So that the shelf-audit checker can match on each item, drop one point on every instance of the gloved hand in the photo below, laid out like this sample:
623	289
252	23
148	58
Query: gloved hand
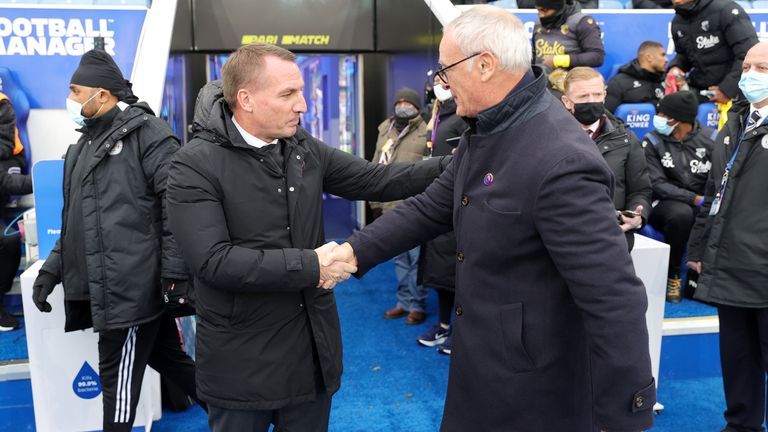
42	288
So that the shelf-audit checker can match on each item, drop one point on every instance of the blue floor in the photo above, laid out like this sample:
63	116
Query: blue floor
391	383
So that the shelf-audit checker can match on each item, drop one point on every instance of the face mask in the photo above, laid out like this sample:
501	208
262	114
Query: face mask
588	112
686	9
405	111
550	21
75	109
442	94
754	85
661	125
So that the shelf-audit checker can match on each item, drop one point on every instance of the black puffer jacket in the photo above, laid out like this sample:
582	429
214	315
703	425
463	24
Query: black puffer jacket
437	262
711	42
732	245
679	170
125	236
634	84
248	228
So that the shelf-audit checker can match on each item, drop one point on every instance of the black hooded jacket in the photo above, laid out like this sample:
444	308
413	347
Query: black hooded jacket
711	41
122	236
634	84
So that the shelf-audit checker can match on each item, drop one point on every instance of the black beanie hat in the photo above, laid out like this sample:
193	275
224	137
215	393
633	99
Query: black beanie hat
408	95
550	4
682	105
98	69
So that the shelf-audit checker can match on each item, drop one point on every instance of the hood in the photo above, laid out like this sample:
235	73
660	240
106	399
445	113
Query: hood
206	98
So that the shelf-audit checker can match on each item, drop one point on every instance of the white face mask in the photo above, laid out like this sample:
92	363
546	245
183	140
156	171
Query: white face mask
441	93
75	109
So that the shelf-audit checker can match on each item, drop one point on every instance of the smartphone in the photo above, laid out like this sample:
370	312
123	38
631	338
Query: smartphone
629	213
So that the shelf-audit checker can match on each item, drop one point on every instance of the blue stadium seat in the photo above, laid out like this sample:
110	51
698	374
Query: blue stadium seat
708	115
66	2
505	4
649	232
638	117
614	71
610	4
9	85
746	4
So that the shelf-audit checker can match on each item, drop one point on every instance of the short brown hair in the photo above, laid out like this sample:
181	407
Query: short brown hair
647	46
580	73
244	66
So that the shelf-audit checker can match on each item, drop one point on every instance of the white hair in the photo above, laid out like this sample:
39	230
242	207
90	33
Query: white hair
490	28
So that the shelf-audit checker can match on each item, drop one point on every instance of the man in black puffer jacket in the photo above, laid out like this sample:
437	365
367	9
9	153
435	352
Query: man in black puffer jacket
584	97
711	39
115	249
245	201
639	81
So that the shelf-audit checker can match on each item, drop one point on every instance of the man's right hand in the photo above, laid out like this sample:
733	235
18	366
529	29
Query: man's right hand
694	265
332	270
42	288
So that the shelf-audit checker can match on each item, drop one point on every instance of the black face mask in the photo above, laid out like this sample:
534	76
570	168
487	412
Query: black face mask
588	112
686	9
551	21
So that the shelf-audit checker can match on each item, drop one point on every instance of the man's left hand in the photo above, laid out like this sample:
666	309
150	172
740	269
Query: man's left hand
719	96
633	223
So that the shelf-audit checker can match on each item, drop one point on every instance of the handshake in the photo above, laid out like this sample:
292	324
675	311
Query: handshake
337	263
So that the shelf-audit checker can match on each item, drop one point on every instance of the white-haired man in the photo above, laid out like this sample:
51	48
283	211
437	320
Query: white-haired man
550	330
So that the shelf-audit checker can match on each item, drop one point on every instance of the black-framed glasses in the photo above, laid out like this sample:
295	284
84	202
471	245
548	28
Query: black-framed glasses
441	72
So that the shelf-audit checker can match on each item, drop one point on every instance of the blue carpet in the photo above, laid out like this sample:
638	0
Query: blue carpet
688	308
13	344
391	383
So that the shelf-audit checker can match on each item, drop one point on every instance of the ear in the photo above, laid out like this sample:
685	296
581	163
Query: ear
488	65
244	100
566	102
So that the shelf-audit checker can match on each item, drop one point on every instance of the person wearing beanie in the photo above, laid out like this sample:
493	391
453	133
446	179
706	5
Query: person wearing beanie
566	38
403	138
678	153
116	255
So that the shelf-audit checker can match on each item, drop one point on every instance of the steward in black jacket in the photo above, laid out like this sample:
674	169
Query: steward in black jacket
633	84
711	39
732	244
267	336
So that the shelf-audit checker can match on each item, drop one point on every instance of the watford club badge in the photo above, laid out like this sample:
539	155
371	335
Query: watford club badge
564	29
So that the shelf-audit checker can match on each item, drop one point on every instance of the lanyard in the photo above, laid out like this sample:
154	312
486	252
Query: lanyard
389	147
721	191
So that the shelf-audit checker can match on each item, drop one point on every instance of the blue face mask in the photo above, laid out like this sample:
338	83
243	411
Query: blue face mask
754	85
75	109
661	126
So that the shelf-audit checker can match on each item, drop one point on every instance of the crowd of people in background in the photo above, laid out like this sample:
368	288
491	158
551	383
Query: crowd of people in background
699	187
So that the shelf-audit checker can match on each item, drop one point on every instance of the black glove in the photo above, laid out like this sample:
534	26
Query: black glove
42	288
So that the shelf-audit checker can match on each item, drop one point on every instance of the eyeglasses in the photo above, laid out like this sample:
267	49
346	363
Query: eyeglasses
441	72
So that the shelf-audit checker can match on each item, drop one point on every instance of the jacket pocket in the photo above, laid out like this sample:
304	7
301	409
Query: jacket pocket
495	210
512	331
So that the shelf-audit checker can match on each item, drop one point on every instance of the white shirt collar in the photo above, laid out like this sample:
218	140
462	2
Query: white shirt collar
593	127
250	139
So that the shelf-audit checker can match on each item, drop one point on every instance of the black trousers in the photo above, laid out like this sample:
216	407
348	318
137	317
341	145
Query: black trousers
744	360
306	417
675	219
123	356
10	257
